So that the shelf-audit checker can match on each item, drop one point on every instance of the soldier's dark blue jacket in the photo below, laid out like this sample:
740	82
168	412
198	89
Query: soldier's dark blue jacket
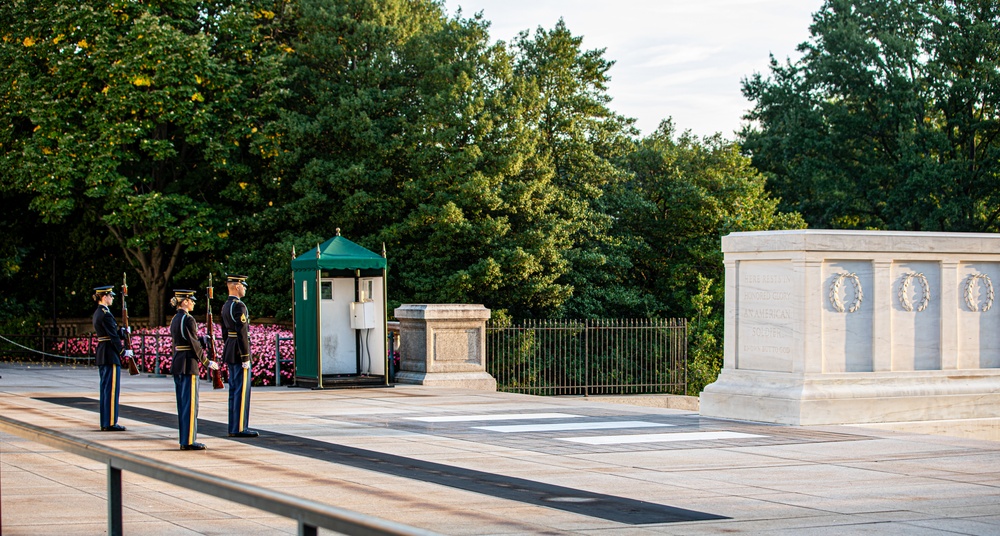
188	351
109	340
235	320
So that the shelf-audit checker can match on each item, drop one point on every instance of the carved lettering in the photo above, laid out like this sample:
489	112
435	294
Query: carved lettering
766	279
766	332
767	314
765	349
765	295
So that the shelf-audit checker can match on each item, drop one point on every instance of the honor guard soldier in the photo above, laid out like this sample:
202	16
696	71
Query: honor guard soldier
236	354
188	352
108	357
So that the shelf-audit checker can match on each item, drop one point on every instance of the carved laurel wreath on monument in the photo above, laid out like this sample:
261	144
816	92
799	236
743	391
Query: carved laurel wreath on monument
970	284
835	292
904	292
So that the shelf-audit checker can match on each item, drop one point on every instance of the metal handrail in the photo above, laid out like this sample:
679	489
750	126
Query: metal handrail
309	514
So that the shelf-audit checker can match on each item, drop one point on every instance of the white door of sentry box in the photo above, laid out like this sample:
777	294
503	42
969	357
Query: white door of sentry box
339	344
372	341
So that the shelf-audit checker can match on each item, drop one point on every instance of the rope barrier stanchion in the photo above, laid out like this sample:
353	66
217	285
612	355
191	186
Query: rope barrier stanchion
45	353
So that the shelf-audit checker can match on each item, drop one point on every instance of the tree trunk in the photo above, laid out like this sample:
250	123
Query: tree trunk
155	291
155	269
155	276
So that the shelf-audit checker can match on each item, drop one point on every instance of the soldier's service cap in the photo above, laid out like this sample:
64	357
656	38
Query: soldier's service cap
185	294
106	289
241	279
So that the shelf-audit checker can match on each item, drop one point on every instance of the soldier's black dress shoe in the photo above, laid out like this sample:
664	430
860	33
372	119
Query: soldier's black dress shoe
113	428
246	433
194	446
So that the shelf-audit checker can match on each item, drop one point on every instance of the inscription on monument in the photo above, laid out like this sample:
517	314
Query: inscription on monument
766	315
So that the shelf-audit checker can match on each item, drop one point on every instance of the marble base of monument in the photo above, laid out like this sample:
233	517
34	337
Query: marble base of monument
853	398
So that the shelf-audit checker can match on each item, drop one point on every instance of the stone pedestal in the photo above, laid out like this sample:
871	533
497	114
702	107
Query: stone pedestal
444	345
847	327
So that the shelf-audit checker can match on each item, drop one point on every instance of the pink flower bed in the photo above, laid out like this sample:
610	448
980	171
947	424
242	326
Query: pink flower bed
153	345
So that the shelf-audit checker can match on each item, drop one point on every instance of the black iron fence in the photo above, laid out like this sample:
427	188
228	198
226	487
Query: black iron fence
543	357
589	357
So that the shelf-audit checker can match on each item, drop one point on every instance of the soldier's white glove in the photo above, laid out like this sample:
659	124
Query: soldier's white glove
128	329
213	365
128	353
246	364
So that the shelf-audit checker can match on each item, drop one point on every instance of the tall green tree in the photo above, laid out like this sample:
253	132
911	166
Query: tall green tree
890	120
407	127
481	222
684	195
138	118
353	73
580	138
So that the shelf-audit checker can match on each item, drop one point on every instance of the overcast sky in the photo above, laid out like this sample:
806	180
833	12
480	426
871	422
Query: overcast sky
673	58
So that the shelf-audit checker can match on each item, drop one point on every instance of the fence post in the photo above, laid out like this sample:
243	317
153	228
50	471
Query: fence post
115	527
391	372
586	357
277	359
156	356
684	347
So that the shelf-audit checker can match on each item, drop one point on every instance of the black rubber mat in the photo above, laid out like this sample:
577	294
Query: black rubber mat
581	502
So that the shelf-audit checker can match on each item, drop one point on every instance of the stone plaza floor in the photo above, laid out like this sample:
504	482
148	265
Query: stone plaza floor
468	462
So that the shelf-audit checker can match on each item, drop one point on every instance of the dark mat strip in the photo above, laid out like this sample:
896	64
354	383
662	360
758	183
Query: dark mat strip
609	507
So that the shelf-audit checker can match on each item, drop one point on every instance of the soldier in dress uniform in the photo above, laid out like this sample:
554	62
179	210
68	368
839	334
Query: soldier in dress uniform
188	352
108	357
236	353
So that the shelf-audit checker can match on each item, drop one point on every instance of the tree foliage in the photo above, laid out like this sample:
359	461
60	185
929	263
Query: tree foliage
579	140
684	195
408	128
134	117
209	135
890	120
476	206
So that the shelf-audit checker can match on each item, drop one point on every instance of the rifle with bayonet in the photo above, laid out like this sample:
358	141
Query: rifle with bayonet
210	347
128	360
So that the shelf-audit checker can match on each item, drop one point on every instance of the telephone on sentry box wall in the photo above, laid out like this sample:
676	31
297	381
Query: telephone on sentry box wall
363	313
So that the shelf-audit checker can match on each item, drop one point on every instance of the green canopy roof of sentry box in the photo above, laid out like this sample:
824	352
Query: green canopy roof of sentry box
338	253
